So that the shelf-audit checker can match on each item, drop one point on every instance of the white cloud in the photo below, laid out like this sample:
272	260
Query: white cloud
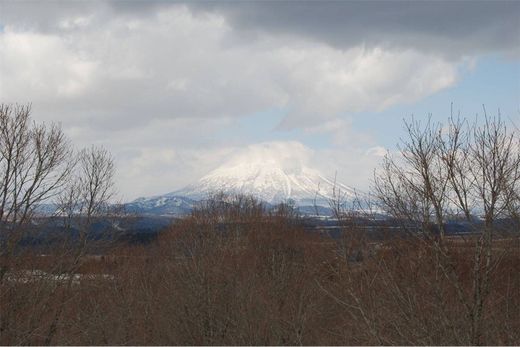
326	82
292	156
152	171
37	67
377	151
176	65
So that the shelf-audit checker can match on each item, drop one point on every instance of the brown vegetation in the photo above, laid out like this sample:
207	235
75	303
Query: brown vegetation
233	274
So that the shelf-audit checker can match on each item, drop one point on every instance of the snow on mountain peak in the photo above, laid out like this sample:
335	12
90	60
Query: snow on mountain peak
270	173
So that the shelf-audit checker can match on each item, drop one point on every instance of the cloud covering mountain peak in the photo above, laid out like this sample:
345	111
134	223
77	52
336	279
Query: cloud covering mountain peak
273	172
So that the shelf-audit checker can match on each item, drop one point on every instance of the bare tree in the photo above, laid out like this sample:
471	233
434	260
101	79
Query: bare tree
468	171
39	167
86	198
90	189
34	166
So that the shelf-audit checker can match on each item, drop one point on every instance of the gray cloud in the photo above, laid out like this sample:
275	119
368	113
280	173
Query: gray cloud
450	28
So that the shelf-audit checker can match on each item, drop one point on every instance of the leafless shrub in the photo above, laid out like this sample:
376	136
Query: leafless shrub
38	166
34	166
465	172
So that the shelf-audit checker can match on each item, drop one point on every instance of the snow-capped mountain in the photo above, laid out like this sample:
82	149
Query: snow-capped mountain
269	178
271	181
161	205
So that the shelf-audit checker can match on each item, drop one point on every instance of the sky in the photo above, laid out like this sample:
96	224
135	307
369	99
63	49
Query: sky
174	89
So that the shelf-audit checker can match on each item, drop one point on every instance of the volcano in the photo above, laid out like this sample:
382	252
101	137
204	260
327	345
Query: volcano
270	177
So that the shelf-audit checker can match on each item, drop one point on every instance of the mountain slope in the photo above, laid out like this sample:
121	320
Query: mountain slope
161	205
269	181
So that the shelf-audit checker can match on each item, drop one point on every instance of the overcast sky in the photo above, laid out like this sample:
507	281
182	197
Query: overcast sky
174	89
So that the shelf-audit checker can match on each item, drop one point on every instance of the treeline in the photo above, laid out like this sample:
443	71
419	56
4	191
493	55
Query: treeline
234	274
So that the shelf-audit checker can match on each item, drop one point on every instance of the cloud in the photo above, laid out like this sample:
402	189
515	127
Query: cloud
377	151
341	133
126	71
292	156
325	82
448	28
43	66
149	171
